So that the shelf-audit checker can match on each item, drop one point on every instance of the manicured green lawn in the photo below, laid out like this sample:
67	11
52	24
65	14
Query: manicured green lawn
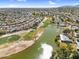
9	39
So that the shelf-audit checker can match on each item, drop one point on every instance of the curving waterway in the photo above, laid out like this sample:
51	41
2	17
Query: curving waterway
43	47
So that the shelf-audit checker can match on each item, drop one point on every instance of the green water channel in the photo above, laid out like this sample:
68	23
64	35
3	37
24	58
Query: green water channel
34	51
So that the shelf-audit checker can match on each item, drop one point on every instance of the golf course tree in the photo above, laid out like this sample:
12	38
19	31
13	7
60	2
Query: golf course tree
68	20
77	21
29	36
38	14
53	19
65	51
33	13
57	40
2	32
49	21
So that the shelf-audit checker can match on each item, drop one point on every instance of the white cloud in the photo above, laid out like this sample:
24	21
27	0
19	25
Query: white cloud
52	3
25	6
76	4
13	6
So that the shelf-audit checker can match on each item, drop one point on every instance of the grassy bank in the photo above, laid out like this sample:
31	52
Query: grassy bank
9	39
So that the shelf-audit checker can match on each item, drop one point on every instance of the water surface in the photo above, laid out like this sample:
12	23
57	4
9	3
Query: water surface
40	47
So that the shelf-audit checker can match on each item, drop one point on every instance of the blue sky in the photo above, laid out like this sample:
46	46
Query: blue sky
36	3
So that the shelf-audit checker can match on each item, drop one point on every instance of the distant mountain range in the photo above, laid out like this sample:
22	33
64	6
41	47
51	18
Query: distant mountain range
69	6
